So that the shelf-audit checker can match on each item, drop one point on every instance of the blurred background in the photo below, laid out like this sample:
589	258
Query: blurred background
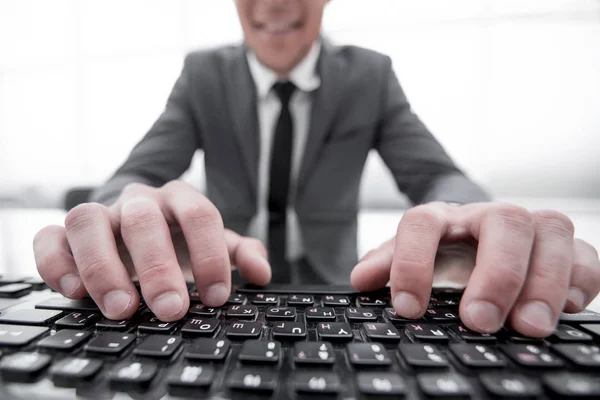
510	87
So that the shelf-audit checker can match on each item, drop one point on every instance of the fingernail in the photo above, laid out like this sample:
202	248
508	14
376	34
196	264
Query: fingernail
407	305
69	284
485	316
576	297
216	294
167	305
116	302
537	315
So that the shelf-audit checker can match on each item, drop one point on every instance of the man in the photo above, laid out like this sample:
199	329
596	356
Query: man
286	122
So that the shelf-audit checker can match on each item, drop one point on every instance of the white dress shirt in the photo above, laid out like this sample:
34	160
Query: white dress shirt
306	79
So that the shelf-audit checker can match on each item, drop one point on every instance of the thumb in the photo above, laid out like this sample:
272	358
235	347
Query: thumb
373	270
249	255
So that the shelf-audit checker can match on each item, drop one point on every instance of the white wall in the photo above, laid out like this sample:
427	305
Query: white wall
510	87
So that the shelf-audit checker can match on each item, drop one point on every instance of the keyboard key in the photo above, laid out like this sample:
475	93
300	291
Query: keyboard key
371	301
242	312
360	314
237	298
442	315
152	324
260	351
566	333
30	317
203	311
200	327
69	371
15	335
253	380
195	298
380	331
111	343
65	304
15	290
426	332
185	379
516	337
470	336
336	301
338	331
593	329
316	382
372	354
301	300
77	320
158	346
289	331
509	385
66	339
422	355
23	367
279	313
477	355
393	316
582	317
584	356
113	325
572	385
381	383
244	330
129	374
530	355
208	349
320	314
446	303
444	385
313	353
263	299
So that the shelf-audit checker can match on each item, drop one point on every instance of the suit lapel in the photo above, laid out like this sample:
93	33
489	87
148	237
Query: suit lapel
241	96
325	104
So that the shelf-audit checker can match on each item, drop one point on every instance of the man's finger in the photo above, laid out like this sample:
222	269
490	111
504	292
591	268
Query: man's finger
92	242
505	235
147	237
249	255
417	240
55	262
203	229
543	296
373	270
585	276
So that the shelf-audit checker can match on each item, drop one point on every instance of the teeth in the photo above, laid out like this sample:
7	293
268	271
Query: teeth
277	27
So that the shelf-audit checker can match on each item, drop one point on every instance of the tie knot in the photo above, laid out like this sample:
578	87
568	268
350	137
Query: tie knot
284	90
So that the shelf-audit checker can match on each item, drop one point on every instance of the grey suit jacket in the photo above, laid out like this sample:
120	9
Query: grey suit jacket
359	106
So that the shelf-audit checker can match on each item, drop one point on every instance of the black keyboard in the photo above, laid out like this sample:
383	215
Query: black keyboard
283	342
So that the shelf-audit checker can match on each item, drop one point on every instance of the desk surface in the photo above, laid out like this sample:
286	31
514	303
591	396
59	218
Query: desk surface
18	227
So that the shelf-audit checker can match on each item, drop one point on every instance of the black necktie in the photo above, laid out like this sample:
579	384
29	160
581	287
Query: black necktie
279	182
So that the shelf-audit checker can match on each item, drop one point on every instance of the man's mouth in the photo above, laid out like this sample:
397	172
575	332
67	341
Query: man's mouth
278	27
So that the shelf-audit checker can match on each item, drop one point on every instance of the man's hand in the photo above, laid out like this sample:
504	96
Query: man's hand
522	266
156	235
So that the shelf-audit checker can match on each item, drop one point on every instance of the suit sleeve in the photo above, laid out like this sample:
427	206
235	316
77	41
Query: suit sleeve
165	152
421	167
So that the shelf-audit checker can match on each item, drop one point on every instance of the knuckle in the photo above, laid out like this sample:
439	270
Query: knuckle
554	222
553	274
134	188
95	268
45	232
140	216
582	243
47	263
84	215
506	280
173	185
514	217
203	214
155	271
423	217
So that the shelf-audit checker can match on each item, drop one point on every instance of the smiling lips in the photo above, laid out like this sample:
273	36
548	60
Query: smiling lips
276	28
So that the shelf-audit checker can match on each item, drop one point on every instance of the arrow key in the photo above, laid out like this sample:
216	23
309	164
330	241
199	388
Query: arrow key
368	354
65	339
313	353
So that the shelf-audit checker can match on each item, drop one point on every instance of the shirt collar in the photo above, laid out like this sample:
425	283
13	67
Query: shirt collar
304	75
